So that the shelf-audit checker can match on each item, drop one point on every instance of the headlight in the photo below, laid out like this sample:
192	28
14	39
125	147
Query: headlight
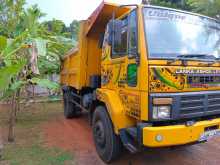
161	112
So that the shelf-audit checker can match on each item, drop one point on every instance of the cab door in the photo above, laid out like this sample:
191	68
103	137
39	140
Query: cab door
125	66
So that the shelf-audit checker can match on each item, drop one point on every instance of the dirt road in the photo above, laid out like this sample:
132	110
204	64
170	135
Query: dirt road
76	136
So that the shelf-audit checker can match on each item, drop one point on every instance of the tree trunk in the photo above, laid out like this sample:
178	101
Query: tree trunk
17	102
12	119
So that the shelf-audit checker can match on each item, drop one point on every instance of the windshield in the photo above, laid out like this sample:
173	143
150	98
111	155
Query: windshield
172	34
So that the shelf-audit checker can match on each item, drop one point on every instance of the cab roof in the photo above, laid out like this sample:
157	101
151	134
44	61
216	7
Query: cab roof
103	13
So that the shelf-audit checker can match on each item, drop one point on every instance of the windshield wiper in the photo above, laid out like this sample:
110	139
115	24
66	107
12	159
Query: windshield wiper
202	57
197	56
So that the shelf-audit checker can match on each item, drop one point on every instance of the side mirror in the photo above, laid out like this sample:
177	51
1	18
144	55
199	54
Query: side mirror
114	31
118	31
110	32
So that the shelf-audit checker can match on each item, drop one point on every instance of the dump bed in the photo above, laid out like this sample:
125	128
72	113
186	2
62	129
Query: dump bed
83	62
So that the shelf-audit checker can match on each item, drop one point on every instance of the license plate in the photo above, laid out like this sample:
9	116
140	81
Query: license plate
209	134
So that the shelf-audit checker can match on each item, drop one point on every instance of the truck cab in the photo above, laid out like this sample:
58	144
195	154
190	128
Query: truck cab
152	80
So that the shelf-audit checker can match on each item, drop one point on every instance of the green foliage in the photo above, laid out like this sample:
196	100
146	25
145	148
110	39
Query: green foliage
37	155
13	46
57	46
177	4
29	20
8	73
56	27
19	29
164	3
207	7
13	61
15	86
10	12
45	83
3	43
48	66
74	29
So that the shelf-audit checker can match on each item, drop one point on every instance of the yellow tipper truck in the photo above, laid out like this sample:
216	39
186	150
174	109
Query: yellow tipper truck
148	76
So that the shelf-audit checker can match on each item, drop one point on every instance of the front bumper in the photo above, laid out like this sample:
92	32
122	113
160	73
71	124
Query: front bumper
176	134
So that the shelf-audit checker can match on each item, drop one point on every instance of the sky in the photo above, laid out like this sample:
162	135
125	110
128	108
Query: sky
68	10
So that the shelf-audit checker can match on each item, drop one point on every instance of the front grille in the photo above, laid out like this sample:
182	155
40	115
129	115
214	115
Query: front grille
203	79
199	105
213	103
192	104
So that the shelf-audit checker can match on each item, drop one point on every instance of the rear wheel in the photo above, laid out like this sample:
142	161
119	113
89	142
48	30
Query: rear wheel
108	144
70	109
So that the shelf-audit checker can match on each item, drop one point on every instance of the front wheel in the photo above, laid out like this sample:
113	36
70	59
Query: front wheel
108	144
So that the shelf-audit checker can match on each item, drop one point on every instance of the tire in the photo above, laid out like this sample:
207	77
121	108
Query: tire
70	110
107	143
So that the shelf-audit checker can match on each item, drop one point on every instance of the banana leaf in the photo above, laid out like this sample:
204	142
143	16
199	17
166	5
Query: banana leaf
8	72
3	43
45	83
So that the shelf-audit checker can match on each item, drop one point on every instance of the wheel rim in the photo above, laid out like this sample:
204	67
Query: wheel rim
99	133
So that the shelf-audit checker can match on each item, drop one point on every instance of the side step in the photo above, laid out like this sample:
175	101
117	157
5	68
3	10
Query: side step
132	137
128	139
132	132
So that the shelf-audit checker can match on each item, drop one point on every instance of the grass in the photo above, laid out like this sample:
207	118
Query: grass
29	147
35	154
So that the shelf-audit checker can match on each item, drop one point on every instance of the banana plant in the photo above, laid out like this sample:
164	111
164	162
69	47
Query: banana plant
19	37
15	54
12	60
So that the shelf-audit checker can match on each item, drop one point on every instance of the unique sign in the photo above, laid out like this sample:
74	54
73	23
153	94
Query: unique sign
196	71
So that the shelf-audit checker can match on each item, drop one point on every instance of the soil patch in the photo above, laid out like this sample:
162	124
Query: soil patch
29	146
75	135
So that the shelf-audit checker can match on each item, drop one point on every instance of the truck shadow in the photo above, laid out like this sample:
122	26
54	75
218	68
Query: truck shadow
155	156
199	154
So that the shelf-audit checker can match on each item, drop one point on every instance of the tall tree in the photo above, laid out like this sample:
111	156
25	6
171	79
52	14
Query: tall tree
29	20
207	7
178	4
74	29
57	27
10	11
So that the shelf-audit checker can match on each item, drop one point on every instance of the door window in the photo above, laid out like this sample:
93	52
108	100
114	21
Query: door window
120	48
133	42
